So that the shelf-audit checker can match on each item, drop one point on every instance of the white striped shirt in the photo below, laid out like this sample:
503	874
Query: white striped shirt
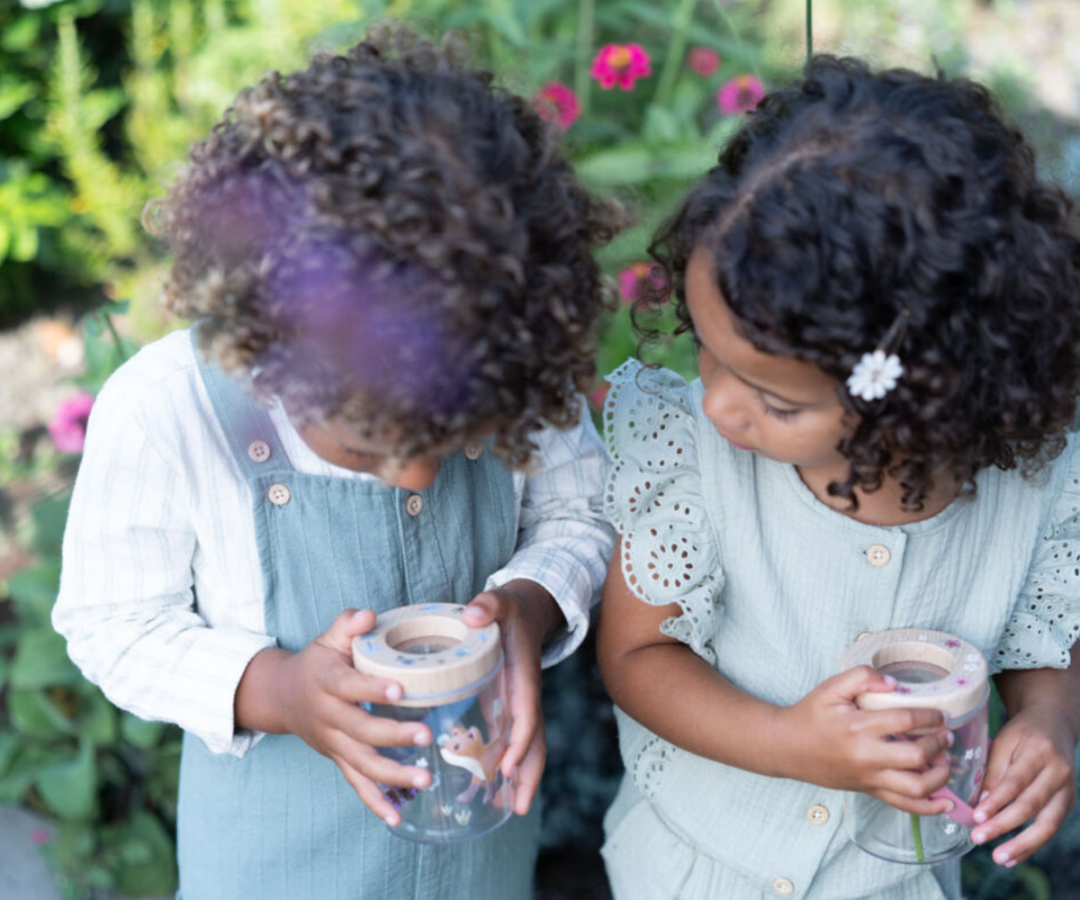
160	516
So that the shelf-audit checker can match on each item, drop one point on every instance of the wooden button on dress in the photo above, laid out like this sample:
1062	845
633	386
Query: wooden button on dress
783	886
414	504
279	494
878	555
474	451
259	451
817	814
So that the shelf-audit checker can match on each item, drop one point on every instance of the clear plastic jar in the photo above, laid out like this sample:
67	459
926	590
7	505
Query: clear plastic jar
934	670
453	681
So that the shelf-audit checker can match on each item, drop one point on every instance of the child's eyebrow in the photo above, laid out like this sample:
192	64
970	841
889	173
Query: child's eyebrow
757	387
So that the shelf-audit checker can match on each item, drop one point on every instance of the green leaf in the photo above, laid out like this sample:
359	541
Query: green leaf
49	518
33	591
35	716
9	744
70	788
627	165
97	718
152	873
29	760
20	34
13	95
661	125
1035	882
138	732
41	660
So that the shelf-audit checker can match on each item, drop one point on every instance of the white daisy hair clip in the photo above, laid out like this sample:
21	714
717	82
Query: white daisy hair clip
878	372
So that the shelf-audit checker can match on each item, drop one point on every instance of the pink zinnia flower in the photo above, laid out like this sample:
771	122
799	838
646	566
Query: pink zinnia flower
599	394
740	94
634	280
68	425
703	60
39	836
557	103
620	64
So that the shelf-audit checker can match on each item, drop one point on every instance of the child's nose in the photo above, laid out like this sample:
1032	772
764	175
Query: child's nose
725	404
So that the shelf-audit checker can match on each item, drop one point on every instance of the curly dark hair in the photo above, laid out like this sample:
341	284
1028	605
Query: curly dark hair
389	238
851	197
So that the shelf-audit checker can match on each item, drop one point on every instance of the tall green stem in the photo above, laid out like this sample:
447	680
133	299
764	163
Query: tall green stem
676	51
584	52
118	343
916	834
809	29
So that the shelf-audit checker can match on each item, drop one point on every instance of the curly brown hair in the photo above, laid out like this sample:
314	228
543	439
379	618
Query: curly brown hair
853	198
389	238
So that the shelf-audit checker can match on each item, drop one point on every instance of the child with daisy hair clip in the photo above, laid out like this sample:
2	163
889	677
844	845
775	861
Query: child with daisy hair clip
886	300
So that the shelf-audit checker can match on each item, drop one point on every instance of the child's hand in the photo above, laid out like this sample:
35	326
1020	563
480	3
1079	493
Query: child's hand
524	624
1031	774
833	743
320	690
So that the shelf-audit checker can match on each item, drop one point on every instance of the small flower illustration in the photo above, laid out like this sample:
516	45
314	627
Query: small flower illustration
903	690
703	60
446	809
952	643
620	64
740	94
962	682
68	425
874	375
462	816
556	102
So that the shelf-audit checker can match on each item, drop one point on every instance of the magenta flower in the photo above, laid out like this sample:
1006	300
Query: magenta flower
740	94
703	60
903	690
68	425
39	836
952	643
634	281
557	103
599	394
620	64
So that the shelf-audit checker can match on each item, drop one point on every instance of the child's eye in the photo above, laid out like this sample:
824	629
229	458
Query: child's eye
781	414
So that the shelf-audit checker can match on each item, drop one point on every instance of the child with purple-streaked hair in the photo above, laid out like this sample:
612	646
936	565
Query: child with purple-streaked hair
389	265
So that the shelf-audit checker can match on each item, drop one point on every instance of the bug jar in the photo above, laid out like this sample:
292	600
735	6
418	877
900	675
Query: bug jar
452	679
933	670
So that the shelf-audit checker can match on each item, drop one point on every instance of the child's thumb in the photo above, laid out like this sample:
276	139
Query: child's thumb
349	624
861	680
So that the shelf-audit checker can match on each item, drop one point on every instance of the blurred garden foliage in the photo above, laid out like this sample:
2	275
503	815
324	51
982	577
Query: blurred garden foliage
99	102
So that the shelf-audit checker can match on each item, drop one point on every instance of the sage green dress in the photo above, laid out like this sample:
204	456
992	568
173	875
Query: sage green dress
773	585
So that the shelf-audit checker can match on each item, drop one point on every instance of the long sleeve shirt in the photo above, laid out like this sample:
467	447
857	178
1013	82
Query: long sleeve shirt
161	593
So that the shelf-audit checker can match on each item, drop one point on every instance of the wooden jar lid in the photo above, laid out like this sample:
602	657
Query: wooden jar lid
963	685
430	652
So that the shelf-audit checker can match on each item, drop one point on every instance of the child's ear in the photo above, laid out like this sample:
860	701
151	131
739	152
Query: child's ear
474	733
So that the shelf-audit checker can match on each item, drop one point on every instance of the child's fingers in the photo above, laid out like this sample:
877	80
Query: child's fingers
347	684
379	732
995	794
1007	785
920	807
915	785
371	764
349	624
915	754
1030	800
904	721
848	685
370	794
529	773
1038	834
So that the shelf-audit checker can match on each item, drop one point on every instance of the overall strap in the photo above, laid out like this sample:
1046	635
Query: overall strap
248	429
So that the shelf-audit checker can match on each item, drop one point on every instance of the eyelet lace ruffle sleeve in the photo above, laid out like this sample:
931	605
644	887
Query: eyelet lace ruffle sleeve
1046	620
654	500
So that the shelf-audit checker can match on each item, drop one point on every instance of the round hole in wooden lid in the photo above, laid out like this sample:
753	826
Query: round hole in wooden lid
430	652
933	670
